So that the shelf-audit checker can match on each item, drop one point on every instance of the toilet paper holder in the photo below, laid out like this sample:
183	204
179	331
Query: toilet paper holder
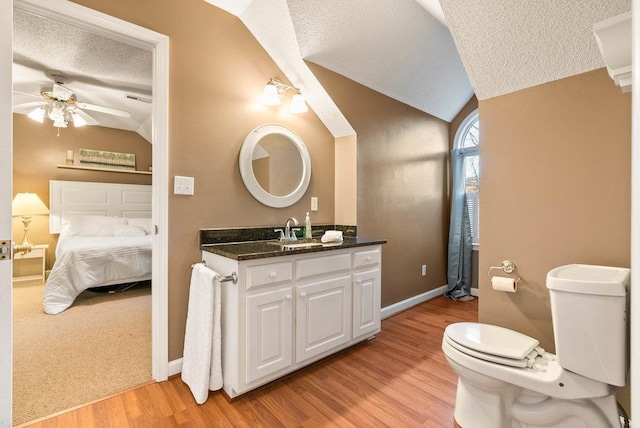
507	266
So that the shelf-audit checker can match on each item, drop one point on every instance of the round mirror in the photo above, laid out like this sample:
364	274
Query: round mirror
275	165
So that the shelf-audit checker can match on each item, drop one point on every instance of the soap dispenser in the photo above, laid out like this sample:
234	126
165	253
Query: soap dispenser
307	227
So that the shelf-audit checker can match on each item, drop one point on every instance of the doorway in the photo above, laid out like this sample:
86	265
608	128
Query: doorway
121	31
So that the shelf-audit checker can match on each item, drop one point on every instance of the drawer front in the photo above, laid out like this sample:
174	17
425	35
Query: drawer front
366	258
322	265
265	275
35	253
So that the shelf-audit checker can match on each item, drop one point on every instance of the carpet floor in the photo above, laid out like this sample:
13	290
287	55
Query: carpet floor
99	346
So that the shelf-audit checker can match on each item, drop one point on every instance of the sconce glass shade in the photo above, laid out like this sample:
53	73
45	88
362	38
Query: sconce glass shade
298	104
270	95
78	121
37	114
26	205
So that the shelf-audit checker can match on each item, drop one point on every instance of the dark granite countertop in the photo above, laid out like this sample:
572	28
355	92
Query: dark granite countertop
262	249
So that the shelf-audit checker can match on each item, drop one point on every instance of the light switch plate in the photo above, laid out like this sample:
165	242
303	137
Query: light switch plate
314	203
183	185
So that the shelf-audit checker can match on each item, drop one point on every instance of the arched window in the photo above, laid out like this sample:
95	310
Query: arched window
467	139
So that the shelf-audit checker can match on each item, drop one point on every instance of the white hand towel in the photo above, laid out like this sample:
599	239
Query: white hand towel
332	236
201	362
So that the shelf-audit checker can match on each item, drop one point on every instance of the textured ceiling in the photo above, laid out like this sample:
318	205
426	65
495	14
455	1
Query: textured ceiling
508	45
101	71
403	52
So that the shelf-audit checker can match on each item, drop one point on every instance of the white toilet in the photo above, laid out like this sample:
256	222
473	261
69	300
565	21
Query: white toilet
507	380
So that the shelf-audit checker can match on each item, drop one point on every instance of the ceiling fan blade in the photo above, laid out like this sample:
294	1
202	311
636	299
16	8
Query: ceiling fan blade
90	120
27	93
107	110
26	107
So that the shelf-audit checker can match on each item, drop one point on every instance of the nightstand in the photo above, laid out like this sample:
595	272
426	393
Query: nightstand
28	268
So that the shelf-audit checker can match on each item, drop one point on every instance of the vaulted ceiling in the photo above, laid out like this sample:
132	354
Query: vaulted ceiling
430	55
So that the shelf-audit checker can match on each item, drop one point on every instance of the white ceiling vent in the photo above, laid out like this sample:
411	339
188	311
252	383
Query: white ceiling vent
614	40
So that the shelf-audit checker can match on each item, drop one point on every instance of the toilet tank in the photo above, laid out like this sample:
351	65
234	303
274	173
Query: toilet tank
590	315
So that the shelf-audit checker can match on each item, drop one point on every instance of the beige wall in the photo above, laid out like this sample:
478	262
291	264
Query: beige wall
217	73
401	183
37	151
556	183
346	185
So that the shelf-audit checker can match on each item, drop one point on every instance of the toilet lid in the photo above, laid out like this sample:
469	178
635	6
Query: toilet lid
491	339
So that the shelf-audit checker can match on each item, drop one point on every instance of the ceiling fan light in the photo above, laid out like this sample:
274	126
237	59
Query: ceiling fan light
298	104
270	95
37	114
78	121
56	113
60	123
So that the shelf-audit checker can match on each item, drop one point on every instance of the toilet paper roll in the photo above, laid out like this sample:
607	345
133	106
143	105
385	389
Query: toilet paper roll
500	283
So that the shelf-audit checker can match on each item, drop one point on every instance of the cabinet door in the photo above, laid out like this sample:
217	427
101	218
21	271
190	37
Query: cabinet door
323	316
366	303
269	332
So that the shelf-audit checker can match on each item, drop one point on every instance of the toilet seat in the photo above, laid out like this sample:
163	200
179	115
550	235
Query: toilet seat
492	343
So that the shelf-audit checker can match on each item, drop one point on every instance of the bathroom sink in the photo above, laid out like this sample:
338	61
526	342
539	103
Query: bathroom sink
297	244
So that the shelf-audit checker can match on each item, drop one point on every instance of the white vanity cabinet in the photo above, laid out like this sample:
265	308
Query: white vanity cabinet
286	312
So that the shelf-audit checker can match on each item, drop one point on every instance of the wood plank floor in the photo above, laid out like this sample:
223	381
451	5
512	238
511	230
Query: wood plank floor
399	379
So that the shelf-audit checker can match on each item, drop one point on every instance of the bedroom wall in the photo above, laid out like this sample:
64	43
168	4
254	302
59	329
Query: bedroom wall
217	72
556	186
403	157
37	150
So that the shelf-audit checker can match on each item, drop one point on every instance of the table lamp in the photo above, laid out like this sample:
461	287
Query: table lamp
26	205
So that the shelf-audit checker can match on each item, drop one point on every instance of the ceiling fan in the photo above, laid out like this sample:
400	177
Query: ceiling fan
61	105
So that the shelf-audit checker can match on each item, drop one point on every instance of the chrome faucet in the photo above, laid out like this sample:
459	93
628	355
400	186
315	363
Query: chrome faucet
290	234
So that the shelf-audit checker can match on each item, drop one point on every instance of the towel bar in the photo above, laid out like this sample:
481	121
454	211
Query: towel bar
233	277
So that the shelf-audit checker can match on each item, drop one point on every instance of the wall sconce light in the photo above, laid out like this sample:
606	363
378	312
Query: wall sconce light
273	92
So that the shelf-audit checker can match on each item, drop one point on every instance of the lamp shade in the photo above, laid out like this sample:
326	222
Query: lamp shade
28	204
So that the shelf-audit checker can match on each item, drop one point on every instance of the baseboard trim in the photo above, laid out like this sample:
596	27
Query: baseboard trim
393	309
475	292
174	367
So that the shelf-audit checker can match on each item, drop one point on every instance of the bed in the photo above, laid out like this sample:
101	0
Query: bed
105	238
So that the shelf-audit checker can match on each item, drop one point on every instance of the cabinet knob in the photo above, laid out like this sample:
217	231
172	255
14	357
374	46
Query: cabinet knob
303	295
358	280
273	275
369	259
288	297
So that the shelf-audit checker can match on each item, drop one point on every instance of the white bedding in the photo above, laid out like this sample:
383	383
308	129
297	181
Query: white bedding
92	261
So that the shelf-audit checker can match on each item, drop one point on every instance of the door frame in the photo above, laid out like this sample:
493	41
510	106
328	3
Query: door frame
131	34
6	195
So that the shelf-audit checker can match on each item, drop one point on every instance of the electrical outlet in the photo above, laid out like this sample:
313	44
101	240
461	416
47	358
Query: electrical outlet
314	203
183	185
424	270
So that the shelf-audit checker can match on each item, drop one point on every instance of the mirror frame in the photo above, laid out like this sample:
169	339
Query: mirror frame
249	178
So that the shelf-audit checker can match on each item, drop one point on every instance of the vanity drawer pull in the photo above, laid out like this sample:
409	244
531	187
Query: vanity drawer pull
366	258
303	295
268	275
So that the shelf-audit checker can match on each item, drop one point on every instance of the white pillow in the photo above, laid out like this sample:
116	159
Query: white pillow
144	223
128	230
94	225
